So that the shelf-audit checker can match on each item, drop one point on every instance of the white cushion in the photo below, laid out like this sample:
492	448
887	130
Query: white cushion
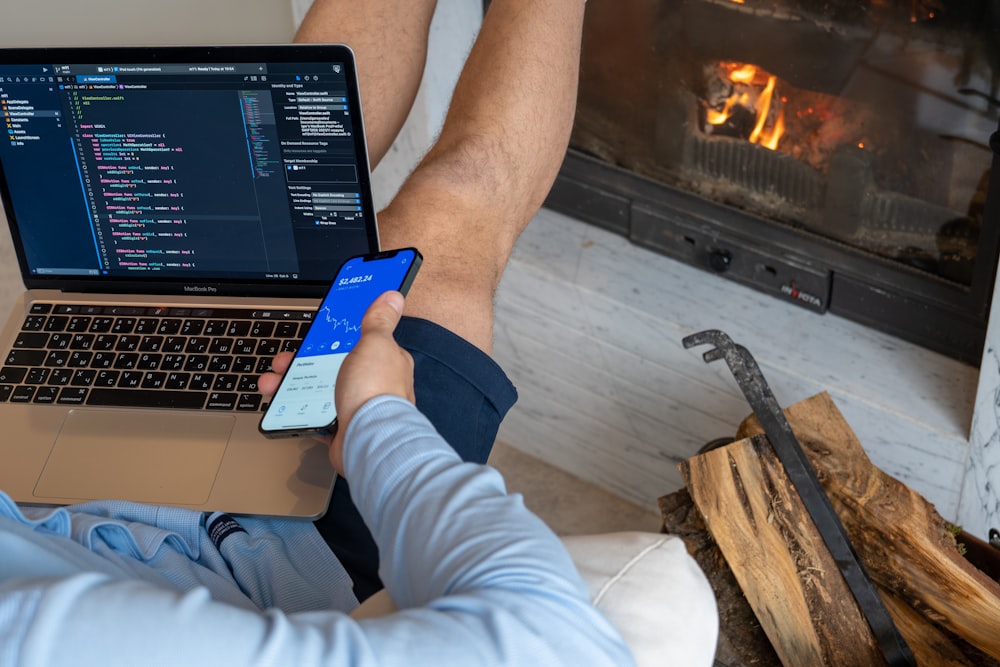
653	592
650	589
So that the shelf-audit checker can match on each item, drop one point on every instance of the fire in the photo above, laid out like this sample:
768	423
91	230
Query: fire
753	89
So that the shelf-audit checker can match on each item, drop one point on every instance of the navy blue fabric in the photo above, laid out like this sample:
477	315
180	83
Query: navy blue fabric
464	394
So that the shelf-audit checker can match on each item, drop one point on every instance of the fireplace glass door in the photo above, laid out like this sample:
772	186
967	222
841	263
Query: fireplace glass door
863	124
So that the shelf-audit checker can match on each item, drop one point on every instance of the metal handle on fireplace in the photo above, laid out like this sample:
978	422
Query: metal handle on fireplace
789	451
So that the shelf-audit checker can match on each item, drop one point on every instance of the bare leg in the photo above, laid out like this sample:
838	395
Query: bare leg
499	152
390	42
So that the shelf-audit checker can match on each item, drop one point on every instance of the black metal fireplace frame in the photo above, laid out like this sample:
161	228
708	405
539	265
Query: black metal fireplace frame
789	263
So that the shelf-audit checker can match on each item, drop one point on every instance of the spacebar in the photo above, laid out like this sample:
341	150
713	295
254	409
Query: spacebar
148	398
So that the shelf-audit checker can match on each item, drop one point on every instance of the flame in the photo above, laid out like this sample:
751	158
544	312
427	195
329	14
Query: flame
747	76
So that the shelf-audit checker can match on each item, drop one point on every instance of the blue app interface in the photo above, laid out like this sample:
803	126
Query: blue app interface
305	398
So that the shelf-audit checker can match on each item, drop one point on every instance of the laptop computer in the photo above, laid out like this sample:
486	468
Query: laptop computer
176	213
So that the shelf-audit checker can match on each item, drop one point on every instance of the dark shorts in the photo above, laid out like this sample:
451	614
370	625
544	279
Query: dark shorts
464	393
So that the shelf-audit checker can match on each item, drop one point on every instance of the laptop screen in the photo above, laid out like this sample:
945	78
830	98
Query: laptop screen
165	169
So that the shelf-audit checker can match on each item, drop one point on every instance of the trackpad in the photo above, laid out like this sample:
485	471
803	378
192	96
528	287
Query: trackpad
148	457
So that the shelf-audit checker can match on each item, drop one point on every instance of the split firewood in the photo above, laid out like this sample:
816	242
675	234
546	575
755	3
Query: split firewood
947	610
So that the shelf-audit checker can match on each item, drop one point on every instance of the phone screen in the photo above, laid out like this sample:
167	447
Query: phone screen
304	401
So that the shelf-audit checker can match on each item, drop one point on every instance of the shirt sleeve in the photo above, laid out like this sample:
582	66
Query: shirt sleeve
477	578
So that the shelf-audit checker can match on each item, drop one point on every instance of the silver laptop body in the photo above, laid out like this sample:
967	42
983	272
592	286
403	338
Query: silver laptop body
176	214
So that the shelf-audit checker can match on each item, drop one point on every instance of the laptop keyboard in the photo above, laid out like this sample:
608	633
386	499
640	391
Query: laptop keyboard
128	356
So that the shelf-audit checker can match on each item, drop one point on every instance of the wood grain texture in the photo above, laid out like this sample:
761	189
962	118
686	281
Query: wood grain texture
788	576
907	547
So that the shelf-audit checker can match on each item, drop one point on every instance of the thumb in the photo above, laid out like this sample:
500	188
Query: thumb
384	314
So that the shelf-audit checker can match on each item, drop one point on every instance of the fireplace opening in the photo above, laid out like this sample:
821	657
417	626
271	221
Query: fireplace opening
835	153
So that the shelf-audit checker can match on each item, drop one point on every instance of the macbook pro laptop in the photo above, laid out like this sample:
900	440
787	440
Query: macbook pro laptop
176	213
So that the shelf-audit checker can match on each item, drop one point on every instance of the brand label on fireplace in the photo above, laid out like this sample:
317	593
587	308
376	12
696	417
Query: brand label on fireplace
793	292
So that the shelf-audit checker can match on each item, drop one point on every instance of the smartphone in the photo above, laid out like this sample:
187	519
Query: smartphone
304	402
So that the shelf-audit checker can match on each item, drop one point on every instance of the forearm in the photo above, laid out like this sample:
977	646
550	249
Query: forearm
480	578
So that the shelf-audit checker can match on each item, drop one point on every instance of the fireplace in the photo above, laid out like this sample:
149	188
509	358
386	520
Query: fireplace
833	153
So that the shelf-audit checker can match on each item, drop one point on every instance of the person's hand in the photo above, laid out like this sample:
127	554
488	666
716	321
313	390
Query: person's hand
376	366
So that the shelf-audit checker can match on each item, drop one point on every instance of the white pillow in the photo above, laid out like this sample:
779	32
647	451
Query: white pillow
650	589
653	592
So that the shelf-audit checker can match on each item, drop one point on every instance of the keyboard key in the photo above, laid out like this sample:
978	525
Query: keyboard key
60	341
106	378
174	343
153	380
123	325
220	363
79	359
286	330
262	329
177	381
192	327
248	383
31	340
56	323
244	365
72	396
57	358
169	326
146	325
130	380
221	401
78	324
60	376
128	343
46	394
151	344
202	381
221	346
41	308
37	376
268	347
103	360
34	323
173	362
22	394
198	345
215	327
149	362
101	324
226	382
196	363
82	341
126	361
238	328
249	402
83	377
147	398
26	358
5	392
104	342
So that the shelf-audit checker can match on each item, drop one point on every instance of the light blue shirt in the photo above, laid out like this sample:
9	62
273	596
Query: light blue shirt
478	579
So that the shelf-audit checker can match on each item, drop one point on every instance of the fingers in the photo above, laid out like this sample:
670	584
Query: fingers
268	382
380	319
